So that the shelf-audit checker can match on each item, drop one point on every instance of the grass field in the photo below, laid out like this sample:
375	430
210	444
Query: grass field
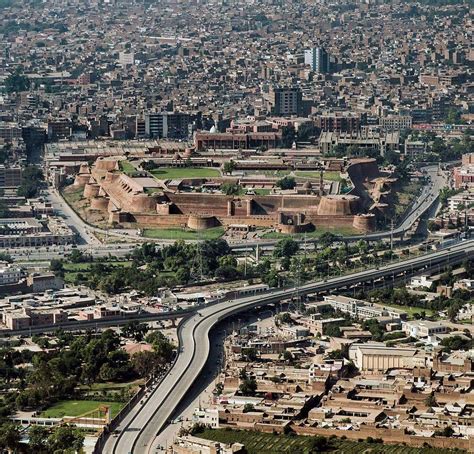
179	234
85	267
262	443
78	407
71	270
184	172
328	176
109	386
411	310
126	167
72	197
261	191
343	231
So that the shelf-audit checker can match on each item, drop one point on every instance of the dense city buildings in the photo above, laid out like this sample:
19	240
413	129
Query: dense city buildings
236	226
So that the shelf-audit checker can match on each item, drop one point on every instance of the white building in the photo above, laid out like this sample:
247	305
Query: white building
423	328
207	416
9	274
423	280
362	309
126	58
463	199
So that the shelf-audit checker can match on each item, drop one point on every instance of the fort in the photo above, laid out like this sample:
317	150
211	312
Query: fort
146	201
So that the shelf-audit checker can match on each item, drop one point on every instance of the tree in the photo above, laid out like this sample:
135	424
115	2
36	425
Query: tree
135	329
288	136
430	401
306	131
229	166
4	212
161	345
77	256
453	117
230	188
147	363
249	353
37	436
65	439
286	247
17	82
4	257
183	275
456	343
248	386
453	311
318	444
227	272
31	181
9	436
248	408
327	239
286	183
447	432
287	356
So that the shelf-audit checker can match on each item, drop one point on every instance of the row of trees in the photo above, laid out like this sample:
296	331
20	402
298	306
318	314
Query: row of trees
153	268
59	440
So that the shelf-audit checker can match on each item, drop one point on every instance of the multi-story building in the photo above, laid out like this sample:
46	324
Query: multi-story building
59	129
396	122
366	140
338	122
10	132
234	141
318	59
361	309
285	100
10	177
415	147
9	274
172	125
26	232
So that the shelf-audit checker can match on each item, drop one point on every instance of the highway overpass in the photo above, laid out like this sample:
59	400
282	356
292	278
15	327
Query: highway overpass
139	428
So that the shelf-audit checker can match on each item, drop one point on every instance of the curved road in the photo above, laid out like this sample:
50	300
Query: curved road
140	426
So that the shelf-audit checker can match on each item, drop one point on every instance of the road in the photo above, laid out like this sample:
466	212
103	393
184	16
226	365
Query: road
139	429
71	217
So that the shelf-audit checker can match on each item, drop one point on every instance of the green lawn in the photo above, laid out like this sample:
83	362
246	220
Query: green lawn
328	176
179	234
85	267
410	310
127	168
78	407
110	386
73	269
172	173
73	196
263	443
261	191
343	231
